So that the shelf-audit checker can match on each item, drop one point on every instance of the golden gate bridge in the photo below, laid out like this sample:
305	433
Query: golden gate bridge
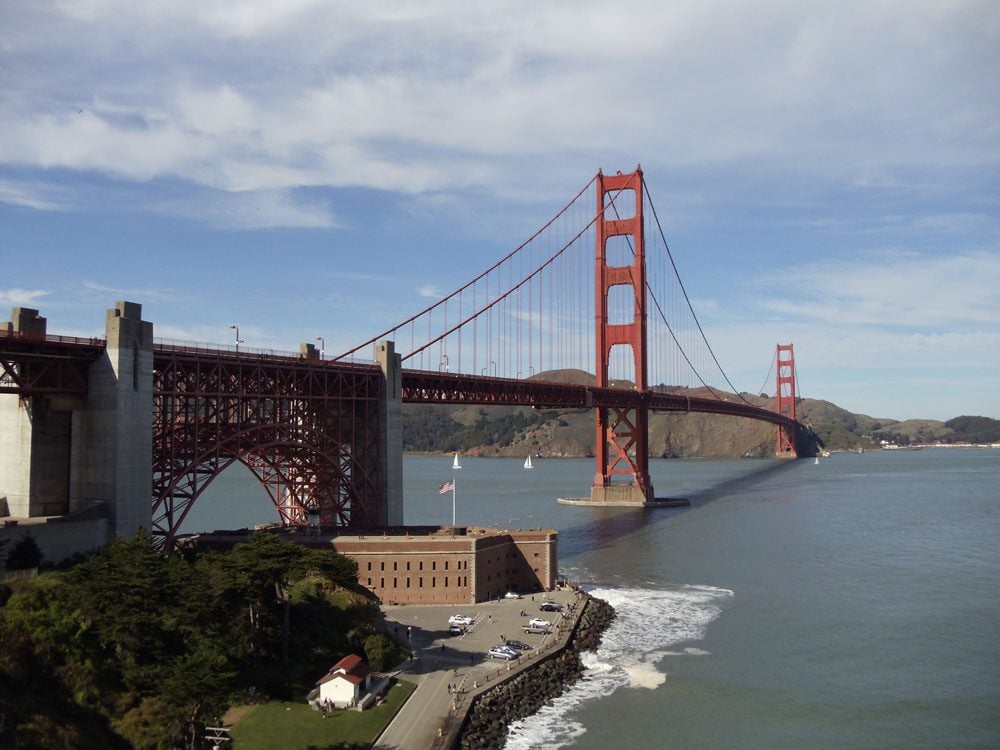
589	312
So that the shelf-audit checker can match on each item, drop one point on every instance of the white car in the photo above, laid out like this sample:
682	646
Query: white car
512	595
463	620
536	622
502	652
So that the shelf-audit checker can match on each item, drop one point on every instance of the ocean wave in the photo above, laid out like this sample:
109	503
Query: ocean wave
648	623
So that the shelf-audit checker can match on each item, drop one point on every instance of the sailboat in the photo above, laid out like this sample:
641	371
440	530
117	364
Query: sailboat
817	460
527	462
456	464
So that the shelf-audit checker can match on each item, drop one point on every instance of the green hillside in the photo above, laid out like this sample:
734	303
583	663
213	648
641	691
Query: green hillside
517	431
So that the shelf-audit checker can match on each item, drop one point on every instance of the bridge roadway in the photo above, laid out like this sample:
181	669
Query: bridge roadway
462	662
420	386
50	365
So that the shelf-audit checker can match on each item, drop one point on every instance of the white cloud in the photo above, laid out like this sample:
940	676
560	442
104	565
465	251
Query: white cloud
905	290
21	297
230	114
39	196
250	209
272	95
430	291
103	292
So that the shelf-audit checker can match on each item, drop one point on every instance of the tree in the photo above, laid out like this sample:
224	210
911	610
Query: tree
25	554
382	652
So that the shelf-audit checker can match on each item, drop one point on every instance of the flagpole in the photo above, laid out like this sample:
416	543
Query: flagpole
453	501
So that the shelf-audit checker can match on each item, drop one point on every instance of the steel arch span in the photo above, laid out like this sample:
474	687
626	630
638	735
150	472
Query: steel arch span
309	432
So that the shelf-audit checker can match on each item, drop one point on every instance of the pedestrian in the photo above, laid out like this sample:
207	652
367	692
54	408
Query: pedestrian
503	638
449	688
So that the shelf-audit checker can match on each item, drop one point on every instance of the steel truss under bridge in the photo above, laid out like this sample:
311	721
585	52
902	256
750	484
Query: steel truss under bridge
309	432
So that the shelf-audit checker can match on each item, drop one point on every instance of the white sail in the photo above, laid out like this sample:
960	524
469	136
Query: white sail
456	464
527	462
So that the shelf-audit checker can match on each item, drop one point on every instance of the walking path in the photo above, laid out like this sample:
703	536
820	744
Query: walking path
450	671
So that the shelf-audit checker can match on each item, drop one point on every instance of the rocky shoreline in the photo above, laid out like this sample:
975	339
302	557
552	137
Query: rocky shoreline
487	721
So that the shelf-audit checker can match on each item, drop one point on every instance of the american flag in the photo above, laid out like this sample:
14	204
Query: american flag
447	487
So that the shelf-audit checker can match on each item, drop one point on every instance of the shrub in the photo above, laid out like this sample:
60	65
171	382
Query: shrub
382	652
25	554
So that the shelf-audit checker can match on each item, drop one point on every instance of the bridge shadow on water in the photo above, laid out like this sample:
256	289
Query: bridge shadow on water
607	526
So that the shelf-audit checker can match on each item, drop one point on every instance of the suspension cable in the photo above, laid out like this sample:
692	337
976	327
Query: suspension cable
774	359
501	298
659	309
686	298
444	300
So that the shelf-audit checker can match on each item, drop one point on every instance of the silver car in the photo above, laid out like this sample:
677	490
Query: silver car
502	652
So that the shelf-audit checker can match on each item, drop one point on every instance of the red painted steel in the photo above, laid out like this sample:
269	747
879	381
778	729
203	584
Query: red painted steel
622	434
41	365
308	430
785	397
429	387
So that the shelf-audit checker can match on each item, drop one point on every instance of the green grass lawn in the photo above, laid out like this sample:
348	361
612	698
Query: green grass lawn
296	726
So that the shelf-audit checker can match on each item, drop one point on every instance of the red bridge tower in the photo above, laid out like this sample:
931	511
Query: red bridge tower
622	434
785	396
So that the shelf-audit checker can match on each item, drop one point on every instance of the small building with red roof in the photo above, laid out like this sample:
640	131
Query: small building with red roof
346	683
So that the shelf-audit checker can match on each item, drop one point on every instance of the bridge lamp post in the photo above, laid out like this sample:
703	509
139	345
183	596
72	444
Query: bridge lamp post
238	339
443	366
494	366
322	346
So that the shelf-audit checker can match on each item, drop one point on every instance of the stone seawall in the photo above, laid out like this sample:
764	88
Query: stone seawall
486	723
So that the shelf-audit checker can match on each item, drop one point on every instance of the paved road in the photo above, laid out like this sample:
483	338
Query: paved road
443	660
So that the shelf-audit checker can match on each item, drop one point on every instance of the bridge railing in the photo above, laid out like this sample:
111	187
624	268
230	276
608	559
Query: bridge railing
51	338
199	347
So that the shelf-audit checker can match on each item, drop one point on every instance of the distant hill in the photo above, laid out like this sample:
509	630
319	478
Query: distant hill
517	431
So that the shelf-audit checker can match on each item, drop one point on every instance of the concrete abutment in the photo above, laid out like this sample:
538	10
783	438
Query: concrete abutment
82	460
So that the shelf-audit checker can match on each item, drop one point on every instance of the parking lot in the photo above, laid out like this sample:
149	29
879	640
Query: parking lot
425	627
450	669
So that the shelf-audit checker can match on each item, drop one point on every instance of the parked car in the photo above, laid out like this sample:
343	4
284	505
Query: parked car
551	607
511	595
501	652
536	629
518	645
536	622
456	629
463	620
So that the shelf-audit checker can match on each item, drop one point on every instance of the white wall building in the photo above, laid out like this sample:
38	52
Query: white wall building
346	683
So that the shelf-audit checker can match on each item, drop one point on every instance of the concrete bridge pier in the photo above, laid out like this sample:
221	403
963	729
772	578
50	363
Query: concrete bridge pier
34	442
84	461
112	456
391	432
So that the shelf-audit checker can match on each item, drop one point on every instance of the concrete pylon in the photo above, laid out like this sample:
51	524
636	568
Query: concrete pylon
34	441
391	432
112	452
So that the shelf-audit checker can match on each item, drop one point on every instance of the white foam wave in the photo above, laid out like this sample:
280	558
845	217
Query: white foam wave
648	623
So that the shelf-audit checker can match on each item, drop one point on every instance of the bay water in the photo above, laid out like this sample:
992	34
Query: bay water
853	603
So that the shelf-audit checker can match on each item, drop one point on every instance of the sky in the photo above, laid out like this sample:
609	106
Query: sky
826	173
